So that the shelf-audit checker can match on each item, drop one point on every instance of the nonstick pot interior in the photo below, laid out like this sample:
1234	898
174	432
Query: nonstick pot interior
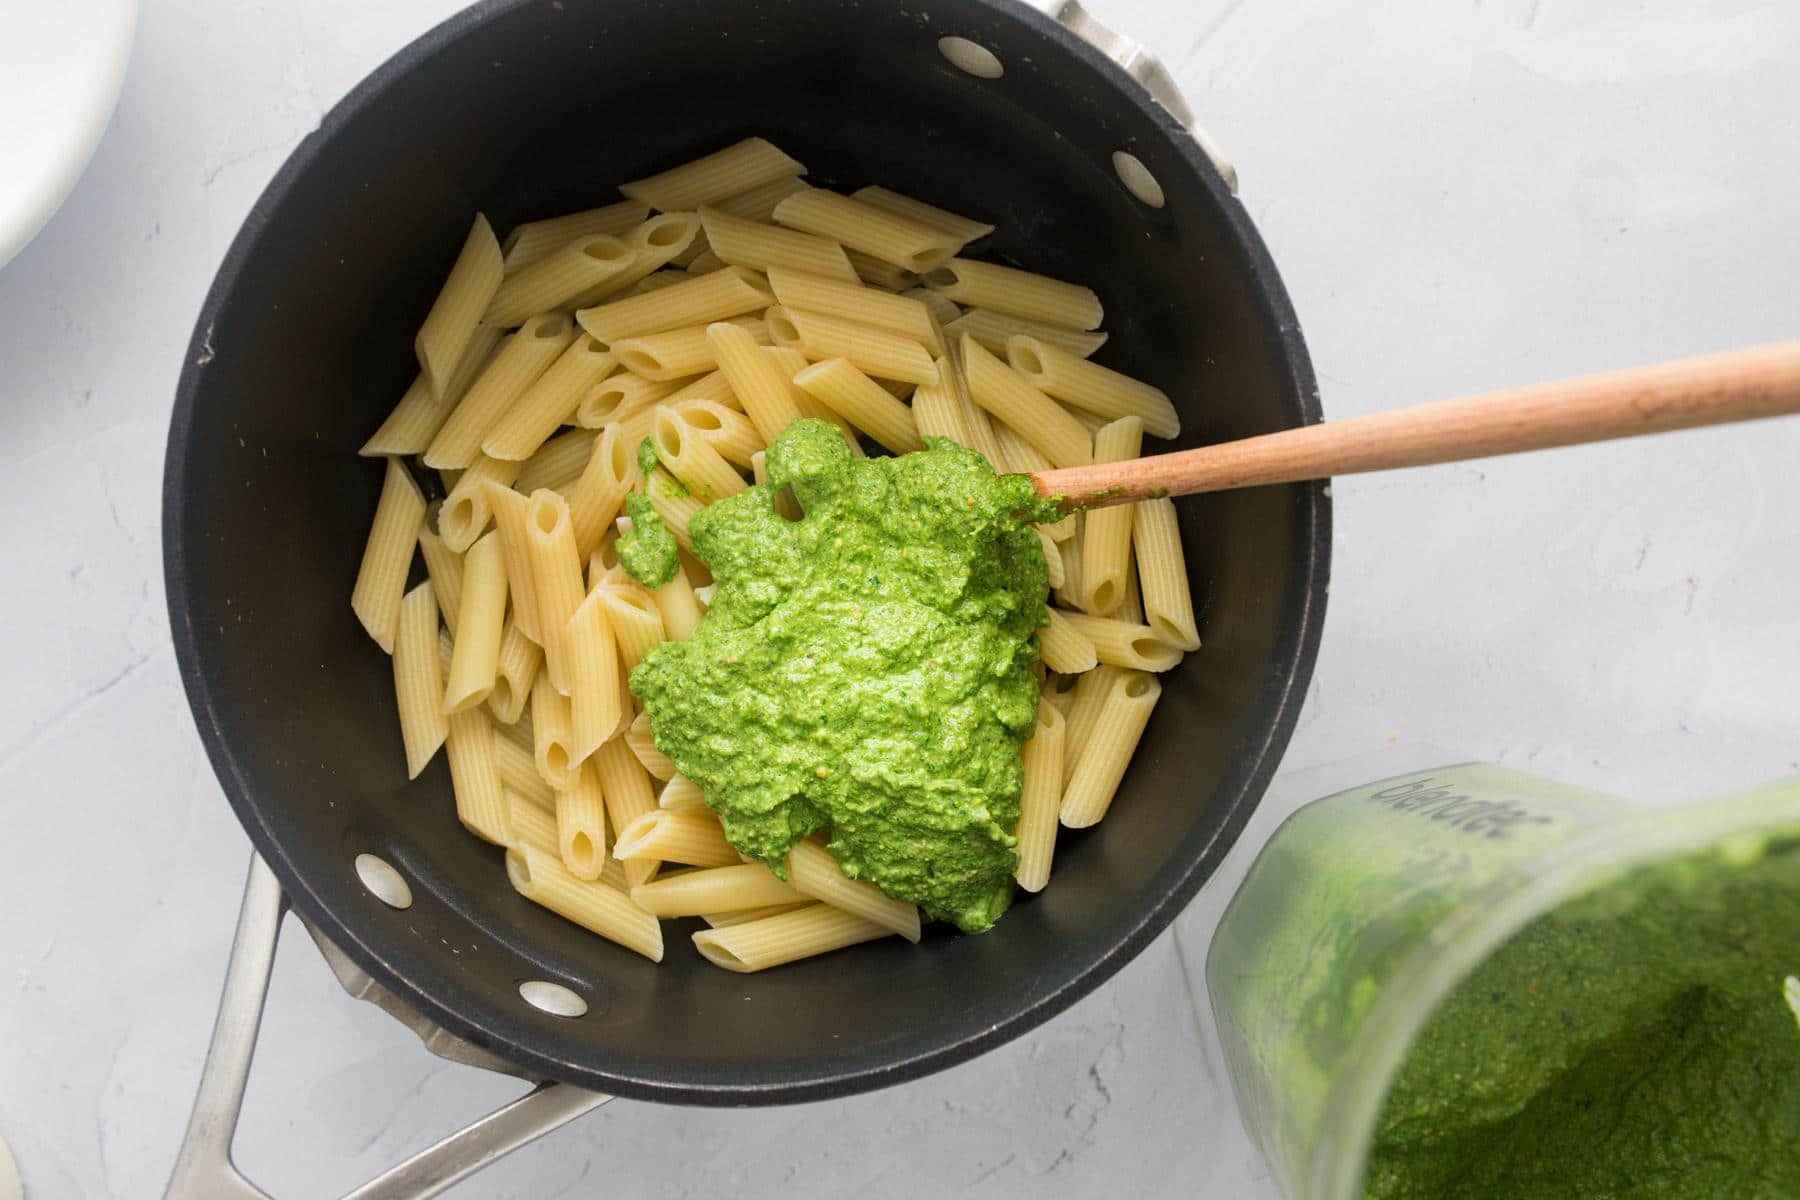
524	110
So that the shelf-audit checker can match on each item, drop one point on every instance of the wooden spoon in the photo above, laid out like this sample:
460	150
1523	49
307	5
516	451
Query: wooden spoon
1739	385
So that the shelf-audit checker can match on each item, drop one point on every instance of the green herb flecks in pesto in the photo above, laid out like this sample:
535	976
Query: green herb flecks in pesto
649	551
865	671
647	459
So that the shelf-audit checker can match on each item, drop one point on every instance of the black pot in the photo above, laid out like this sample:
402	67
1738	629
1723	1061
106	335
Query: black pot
526	108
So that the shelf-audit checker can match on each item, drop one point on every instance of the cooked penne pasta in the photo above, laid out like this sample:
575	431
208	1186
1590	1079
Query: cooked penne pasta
628	796
1162	573
722	889
706	263
964	229
744	916
1070	592
875	273
539	876
418	682
729	431
697	301
1021	293
594	499
761	247
539	342
643	745
388	554
517	766
549	402
1022	457
1091	387
1084	705
520	660
874	351
621	396
475	661
943	310
637	625
655	244
813	872
550	734
852	395
1131	608
732	171
766	394
675	509
1101	762
1106	532
559	277
466	294
1065	648
592	657
680	792
679	354
531	823
581	825
992	328
1053	564
1122	644
901	315
558	463
533	240
936	413
670	275
691	458
1040	799
518	732
758	203
512	519
679	607
775	940
474	778
466	511
420	414
1005	394
881	234
686	836
444	567
555	577
713	386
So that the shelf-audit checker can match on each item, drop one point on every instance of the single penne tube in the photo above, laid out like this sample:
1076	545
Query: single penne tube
692	459
680	792
679	607
1053	563
732	171
679	354
901	315
643	745
992	329
1106	532
550	402
1123	644
943	310
974	429
555	577
712	386
387	555
533	240
728	293
418	682
676	272
474	776
715	890
1066	649
881	234
765	392
1085	699
785	938
1040	799
466	294
707	263
531	823
1131	608
1008	397
875	273
621	396
675	507
758	203
592	657
558	463
814	872
1091	387
520	661
420	414
468	508
637	625
1101	761
594	498
512	520
863	403
743	916
935	413
527	355
730	432
1092	422
1024	458
550	734
539	876
517	766
581	825
1162	573
963	229
626	787
680	836
475	660
762	247
558	277
1021	293
444	567
874	351
1069	594
655	244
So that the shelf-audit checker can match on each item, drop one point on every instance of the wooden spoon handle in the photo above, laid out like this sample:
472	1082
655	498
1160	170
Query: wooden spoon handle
1739	385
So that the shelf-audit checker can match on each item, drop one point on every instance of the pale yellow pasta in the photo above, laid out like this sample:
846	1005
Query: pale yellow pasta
1021	456
533	240
697	301
626	788
675	509
669	276
992	328
1037	418
517	766
420	414
1070	592
581	825
758	203
706	263
656	243
680	609
963	229
976	431
1162	573
387	555
813	872
744	916
594	499
466	511
1091	387
474	777
418	682
730	432
936	413
1066	649
1106	532
643	745
557	278
558	463
1131	608
466	294
1040	799
728	172
532	824
550	401
761	247
1124	644
679	354
1101	762
715	890
539	876
1086	697
1092	422
511	518
852	301
713	387
444	567
681	792
550	734
681	836
692	459
875	273
637	625
555	577
852	395
622	396
539	342
874	351
1053	563
475	661
1021	293
592	657
943	310
884	235
772	941
517	732
766	394
520	660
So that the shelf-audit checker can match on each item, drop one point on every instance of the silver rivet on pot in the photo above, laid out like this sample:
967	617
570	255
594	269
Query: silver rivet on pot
1137	178
552	998
383	881
972	57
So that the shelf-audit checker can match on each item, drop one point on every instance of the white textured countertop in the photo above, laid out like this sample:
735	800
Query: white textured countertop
1459	196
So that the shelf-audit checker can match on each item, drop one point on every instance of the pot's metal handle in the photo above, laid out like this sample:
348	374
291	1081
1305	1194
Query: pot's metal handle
204	1170
1141	65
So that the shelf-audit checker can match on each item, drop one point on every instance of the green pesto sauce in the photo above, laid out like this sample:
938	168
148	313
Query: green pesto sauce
865	672
647	459
1635	1042
649	552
